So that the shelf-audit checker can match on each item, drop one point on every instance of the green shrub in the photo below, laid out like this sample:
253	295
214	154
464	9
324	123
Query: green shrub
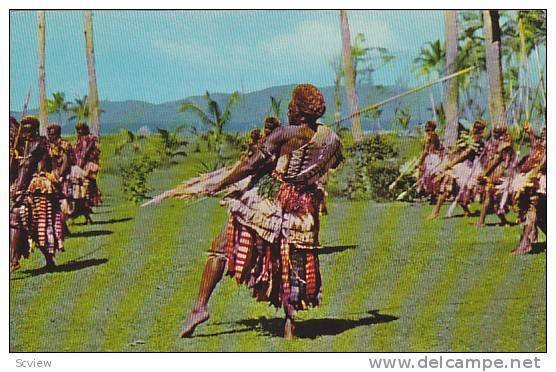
369	168
135	175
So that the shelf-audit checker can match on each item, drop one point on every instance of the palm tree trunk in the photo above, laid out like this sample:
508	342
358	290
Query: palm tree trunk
43	111
93	92
496	104
452	96
433	105
349	78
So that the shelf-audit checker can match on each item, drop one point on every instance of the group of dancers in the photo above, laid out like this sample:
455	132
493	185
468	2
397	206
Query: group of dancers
274	195
487	169
51	181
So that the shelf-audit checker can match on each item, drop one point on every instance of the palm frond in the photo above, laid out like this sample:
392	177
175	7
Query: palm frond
195	109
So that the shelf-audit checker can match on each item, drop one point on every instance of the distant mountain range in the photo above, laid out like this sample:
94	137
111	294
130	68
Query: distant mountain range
251	110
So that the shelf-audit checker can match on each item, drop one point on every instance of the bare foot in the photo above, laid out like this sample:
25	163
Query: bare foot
289	330
14	267
517	252
197	316
479	224
50	265
432	216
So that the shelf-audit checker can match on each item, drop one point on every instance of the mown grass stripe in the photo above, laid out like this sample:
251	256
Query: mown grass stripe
523	324
485	274
431	245
423	334
109	283
499	303
366	269
159	246
43	316
414	252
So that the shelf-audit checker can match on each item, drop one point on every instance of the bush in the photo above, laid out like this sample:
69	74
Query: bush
369	169
135	175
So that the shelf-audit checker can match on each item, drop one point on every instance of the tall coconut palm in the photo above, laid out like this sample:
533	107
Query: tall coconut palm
452	91
349	78
496	105
215	118
57	105
43	110
431	63
94	110
336	64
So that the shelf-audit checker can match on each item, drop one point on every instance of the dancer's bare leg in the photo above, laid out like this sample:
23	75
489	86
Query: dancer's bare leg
48	258
436	212
484	209
15	236
466	211
212	274
503	220
289	326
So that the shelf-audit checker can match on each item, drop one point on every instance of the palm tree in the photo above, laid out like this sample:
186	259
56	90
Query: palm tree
43	111
452	96
430	63
57	104
93	92
80	110
472	53
521	32
336	65
492	32
215	118
349	79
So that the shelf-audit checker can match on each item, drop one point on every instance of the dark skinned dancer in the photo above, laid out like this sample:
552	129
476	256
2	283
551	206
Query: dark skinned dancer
271	235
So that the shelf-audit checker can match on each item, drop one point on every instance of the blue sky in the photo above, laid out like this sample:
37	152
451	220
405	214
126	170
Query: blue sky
159	56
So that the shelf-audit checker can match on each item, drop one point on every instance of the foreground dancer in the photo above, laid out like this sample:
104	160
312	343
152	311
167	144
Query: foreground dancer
269	240
35	214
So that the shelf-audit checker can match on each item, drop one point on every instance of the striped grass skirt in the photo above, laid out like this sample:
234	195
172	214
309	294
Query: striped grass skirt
279	272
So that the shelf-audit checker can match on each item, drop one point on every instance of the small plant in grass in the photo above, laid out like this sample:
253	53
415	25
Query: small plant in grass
135	175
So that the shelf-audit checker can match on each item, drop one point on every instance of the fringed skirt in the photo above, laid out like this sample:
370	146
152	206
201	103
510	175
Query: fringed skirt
278	272
271	246
46	220
428	184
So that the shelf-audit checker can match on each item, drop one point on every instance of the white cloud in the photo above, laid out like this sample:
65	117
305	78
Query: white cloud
319	39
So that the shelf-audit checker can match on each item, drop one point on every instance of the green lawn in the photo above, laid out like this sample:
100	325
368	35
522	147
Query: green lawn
391	282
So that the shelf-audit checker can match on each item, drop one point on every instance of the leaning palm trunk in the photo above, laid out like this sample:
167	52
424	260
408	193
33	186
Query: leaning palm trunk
451	130
496	104
93	93
43	110
349	79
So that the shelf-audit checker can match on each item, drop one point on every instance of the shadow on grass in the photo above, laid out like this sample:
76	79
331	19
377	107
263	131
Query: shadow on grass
538	248
89	234
335	249
105	222
311	328
497	224
73	265
112	220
